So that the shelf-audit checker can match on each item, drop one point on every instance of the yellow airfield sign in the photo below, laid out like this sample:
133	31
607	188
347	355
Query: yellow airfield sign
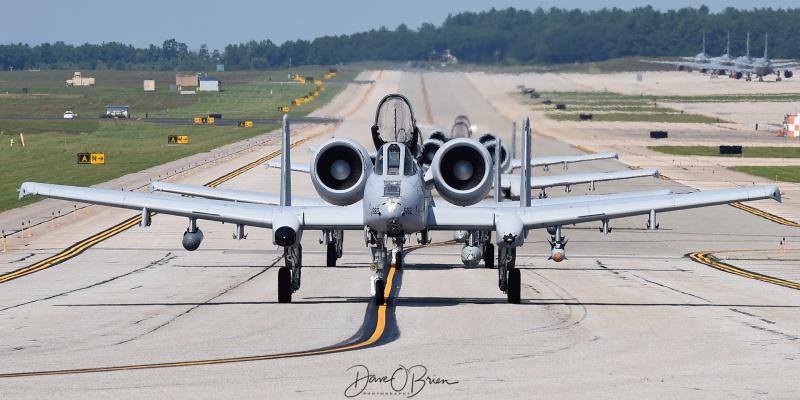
178	139
91	158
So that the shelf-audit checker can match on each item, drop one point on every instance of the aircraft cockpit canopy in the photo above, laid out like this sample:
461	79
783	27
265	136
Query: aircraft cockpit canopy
394	122
395	159
461	128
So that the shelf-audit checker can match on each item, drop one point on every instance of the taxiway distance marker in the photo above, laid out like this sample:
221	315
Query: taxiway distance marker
178	139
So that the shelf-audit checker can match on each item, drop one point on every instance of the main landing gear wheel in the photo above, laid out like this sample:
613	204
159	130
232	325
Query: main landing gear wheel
331	259
514	286
488	255
285	285
380	288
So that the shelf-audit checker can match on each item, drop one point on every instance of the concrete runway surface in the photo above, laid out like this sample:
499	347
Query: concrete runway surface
134	315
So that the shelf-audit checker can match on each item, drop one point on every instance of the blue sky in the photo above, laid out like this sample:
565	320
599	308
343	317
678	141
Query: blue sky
218	23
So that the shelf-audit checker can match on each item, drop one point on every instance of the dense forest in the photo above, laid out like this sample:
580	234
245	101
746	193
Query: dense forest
507	37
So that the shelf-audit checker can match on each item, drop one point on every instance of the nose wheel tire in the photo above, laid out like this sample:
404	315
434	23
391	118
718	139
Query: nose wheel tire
380	287
285	285
398	259
514	286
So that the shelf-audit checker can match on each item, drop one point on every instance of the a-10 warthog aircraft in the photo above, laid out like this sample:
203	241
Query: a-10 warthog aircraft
388	200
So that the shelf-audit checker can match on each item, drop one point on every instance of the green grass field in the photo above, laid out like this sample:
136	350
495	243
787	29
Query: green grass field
246	94
634	117
609	107
713	151
615	107
52	143
776	173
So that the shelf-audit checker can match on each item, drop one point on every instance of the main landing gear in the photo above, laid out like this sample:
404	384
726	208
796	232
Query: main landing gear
289	275
509	275
333	240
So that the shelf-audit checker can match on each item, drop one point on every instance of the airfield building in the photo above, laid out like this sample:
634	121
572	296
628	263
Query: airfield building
208	83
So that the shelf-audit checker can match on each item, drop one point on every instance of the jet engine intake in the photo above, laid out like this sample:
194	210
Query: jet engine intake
489	140
439	134
339	171
462	172
429	149
788	73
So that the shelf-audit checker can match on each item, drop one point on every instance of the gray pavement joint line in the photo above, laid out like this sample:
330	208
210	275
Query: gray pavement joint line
376	338
160	261
671	288
218	295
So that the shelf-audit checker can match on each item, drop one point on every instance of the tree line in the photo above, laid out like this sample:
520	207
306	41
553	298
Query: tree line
508	37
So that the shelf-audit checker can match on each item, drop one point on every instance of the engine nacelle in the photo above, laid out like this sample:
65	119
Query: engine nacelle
429	149
191	240
439	134
737	75
339	171
558	255
489	140
471	256
788	74
462	172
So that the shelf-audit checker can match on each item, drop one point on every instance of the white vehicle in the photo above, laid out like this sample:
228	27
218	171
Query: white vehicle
70	114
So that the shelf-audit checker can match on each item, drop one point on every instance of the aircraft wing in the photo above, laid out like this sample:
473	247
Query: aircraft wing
563	214
789	64
512	182
547	215
259	215
552	160
232	194
298	167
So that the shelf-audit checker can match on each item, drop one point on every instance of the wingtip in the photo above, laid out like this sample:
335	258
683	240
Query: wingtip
24	190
